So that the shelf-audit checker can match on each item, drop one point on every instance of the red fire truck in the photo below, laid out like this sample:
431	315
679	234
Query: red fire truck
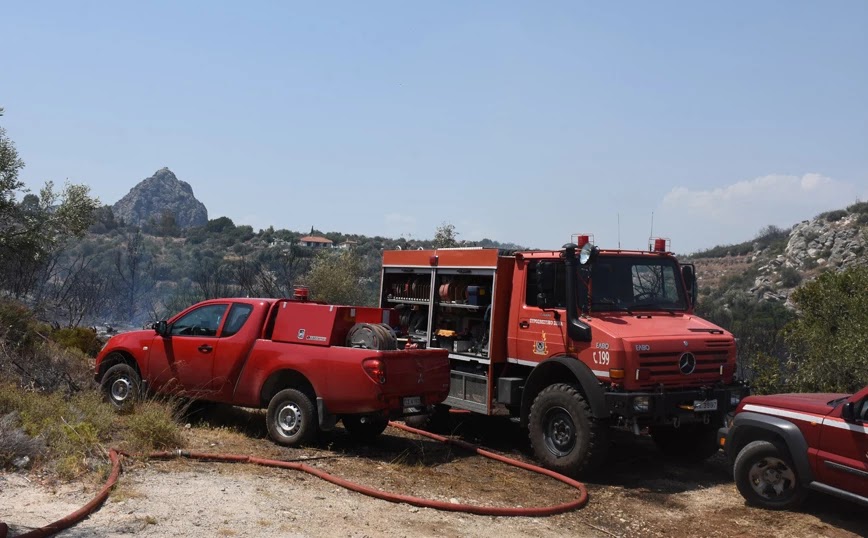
571	343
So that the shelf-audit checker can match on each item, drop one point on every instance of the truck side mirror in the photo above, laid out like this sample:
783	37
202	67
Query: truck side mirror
848	412
688	273
545	284
162	328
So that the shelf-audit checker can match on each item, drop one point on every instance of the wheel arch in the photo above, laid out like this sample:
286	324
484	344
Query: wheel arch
749	426
117	356
285	379
564	369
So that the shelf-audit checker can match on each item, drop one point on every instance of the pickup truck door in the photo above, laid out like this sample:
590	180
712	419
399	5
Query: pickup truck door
183	361
842	460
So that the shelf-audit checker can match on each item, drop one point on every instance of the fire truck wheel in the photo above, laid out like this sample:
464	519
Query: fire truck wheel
564	435
121	385
766	477
291	418
365	428
690	442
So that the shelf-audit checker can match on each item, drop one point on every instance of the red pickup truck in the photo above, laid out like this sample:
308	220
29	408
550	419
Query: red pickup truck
783	445
309	364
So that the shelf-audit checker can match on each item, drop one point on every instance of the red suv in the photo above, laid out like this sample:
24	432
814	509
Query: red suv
783	445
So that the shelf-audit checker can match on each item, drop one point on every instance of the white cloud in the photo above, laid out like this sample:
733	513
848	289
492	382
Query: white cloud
736	212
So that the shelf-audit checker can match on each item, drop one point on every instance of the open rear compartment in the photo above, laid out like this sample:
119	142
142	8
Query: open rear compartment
454	304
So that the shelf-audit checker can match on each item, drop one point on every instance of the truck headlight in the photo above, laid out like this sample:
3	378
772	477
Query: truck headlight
641	404
734	399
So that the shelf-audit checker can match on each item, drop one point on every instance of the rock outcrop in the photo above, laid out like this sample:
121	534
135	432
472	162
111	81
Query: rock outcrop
153	197
815	245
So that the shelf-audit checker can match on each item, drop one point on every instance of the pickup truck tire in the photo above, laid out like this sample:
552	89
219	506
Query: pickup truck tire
365	428
766	477
690	442
564	435
121	385
291	418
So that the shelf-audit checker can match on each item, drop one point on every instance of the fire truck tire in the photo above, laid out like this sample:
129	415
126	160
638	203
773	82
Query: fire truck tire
291	418
691	442
121	385
564	435
766	477
365	428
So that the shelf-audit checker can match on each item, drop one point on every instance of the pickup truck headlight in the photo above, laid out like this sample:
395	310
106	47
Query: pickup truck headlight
641	404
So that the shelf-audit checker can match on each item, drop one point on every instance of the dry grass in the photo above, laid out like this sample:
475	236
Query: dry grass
70	435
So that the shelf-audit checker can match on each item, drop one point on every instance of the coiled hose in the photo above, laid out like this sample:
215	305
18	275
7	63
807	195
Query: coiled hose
534	511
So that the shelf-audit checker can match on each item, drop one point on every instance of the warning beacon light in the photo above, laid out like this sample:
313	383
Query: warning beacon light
659	244
582	239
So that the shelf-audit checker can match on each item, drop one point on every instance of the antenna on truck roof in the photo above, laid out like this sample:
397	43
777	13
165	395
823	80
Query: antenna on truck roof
652	225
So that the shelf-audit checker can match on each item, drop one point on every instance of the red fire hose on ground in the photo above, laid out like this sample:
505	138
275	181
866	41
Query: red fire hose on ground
114	455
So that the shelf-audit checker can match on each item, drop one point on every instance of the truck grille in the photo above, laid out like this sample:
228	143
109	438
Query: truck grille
665	368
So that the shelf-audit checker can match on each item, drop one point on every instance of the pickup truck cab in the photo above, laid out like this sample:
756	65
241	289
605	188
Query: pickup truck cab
783	445
309	364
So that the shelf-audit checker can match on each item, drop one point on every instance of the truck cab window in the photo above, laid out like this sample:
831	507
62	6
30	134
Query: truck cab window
237	316
557	283
203	321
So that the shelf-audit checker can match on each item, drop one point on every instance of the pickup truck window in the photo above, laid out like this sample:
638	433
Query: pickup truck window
862	411
237	316
203	321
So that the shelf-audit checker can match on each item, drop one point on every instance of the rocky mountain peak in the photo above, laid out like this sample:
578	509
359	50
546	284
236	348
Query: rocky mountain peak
155	196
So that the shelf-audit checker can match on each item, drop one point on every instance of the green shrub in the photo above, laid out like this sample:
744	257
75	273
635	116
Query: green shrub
153	425
790	277
827	341
85	340
833	216
72	428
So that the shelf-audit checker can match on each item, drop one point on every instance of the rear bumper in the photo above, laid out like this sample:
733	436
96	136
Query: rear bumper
676	406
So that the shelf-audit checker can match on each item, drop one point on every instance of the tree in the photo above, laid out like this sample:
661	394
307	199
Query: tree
10	166
337	279
446	236
827	341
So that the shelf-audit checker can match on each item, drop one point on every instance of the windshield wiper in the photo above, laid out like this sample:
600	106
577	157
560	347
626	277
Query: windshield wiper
656	306
615	306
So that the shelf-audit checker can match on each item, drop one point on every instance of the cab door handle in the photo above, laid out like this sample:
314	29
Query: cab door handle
205	348
524	325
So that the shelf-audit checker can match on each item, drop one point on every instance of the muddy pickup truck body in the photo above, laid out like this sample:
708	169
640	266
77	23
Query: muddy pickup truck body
309	364
782	445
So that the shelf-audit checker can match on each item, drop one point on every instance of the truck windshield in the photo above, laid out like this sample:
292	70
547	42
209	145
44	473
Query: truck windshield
627	283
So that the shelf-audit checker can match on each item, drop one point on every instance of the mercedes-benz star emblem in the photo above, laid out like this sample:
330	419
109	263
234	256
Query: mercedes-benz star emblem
687	363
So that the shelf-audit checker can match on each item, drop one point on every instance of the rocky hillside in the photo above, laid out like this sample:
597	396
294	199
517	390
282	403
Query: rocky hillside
775	263
159	196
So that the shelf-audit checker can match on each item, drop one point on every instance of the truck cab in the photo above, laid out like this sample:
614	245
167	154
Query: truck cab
571	343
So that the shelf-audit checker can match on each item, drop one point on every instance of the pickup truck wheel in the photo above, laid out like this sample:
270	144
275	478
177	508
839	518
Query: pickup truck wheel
564	435
291	418
766	477
690	442
121	385
365	428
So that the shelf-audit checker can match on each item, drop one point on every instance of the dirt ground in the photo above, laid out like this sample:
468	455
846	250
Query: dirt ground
637	494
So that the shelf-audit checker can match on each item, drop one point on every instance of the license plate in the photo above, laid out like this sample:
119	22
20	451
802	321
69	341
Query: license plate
704	405
412	401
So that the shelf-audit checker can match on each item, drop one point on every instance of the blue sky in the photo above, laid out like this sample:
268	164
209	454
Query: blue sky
522	122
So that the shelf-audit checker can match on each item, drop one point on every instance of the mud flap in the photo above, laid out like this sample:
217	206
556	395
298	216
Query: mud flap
327	421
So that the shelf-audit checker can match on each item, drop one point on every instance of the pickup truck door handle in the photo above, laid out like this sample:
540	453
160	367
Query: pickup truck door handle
524	325
205	348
